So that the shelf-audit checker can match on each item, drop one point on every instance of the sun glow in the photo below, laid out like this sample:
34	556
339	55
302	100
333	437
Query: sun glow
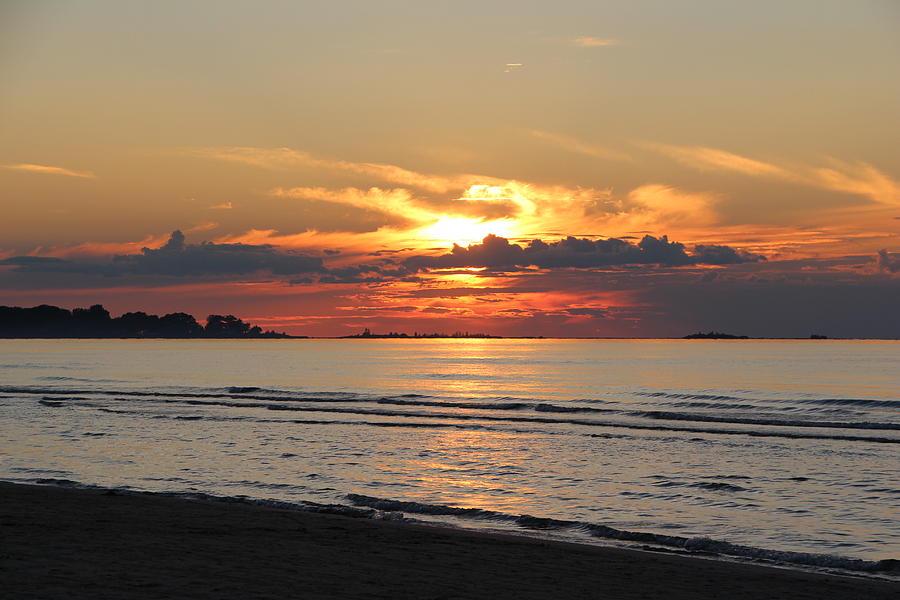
465	231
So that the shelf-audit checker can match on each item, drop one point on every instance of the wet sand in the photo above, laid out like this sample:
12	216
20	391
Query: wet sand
72	543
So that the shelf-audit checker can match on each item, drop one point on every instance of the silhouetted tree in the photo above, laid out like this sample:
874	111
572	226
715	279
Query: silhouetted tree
90	322
228	326
52	322
39	321
136	324
178	325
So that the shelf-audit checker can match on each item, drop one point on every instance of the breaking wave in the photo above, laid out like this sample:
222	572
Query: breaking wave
691	544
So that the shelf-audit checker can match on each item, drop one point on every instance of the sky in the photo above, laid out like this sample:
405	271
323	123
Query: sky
641	168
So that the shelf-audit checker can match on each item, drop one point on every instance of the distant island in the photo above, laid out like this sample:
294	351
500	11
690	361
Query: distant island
718	335
715	335
47	321
367	334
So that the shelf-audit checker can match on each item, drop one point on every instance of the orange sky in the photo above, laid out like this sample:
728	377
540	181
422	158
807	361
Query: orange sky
321	161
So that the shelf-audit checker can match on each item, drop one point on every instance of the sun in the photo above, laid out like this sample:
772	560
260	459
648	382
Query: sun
464	231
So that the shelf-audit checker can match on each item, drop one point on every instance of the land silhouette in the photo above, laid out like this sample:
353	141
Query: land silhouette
715	335
368	334
47	321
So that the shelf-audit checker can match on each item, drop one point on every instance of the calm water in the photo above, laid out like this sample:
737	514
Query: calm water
759	445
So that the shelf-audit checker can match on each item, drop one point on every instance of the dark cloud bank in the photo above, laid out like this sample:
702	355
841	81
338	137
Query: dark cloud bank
179	259
760	300
497	252
886	263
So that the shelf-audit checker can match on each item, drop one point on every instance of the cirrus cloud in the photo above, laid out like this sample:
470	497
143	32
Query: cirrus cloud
857	178
589	41
49	170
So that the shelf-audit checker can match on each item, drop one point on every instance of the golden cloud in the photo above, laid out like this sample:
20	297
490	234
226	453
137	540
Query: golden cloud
859	178
579	147
594	42
287	158
48	170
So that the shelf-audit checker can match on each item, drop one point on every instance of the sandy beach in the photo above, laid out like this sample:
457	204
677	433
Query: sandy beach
76	543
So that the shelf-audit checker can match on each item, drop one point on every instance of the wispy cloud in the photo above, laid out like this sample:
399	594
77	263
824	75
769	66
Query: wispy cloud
48	170
517	209
204	226
223	206
594	42
86	249
857	178
577	146
707	159
397	202
287	158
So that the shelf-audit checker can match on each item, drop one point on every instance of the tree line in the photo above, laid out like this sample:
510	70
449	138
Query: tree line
47	321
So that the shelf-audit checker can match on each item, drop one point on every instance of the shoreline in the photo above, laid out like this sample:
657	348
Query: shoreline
91	542
449	337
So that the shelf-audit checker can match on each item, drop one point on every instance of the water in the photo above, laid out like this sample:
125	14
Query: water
751	448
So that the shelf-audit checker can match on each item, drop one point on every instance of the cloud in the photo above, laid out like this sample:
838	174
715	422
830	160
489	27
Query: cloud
362	243
48	170
287	158
656	206
223	206
176	258
102	248
579	147
723	255
396	202
494	205
857	178
204	226
370	273
594	42
498	253
594	313
885	263
703	158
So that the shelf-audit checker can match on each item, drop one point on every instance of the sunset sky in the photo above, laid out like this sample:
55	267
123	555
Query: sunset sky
605	168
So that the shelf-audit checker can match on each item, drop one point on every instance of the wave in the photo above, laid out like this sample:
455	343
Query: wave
53	403
716	405
715	486
398	424
543	420
682	396
263	394
294	404
692	544
368	507
675	416
470	405
78	379
208	400
861	402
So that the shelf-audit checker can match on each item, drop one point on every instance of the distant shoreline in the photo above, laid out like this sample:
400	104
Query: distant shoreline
52	322
493	337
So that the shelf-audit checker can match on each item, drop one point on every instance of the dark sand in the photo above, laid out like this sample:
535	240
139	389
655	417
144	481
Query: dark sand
71	543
